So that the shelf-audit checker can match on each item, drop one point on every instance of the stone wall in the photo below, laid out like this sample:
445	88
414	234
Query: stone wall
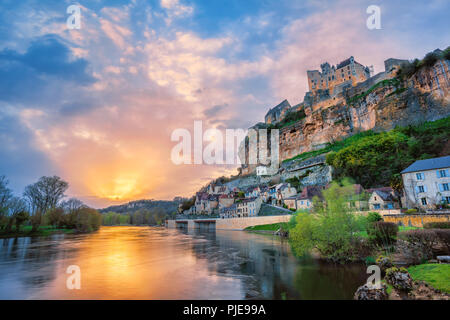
242	223
227	224
416	220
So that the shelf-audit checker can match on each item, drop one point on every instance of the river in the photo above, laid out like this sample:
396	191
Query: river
157	263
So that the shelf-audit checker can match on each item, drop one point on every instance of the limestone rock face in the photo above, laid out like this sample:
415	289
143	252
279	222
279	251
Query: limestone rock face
379	104
367	292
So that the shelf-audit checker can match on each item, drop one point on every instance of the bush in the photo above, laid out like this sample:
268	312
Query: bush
370	261
444	238
374	217
422	241
437	225
411	211
424	237
384	263
383	233
446	53
430	59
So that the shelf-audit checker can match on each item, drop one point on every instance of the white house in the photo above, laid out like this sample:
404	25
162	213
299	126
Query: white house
427	183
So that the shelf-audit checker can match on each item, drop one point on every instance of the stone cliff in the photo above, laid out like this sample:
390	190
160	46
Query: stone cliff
389	103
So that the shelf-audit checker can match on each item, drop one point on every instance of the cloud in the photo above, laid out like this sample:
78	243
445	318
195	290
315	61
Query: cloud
46	63
175	9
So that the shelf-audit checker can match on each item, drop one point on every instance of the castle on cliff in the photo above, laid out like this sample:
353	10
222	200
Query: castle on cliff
330	85
345	99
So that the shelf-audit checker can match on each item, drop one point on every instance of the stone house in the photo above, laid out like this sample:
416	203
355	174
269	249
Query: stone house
228	212
304	200
427	183
285	191
248	207
217	189
226	200
382	199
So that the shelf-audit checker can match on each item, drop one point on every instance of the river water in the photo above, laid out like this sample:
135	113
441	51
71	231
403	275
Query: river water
157	263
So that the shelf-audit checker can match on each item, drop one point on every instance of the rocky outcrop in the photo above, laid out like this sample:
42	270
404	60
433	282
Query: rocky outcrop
399	278
367	292
380	104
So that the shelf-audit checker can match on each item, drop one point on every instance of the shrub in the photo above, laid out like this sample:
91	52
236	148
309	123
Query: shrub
423	241
384	263
437	225
430	59
444	238
374	217
383	233
411	211
446	53
370	261
425	237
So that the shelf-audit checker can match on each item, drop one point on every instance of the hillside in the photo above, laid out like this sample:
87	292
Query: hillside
168	207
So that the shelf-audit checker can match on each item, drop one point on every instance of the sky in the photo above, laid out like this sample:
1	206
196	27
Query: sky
97	105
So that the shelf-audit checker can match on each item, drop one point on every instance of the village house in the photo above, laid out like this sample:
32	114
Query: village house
285	191
217	189
382	199
304	200
228	212
226	200
206	203
427	183
248	207
253	192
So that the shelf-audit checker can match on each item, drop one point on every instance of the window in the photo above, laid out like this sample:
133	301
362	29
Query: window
444	187
376	206
424	201
446	200
443	173
390	206
421	189
420	176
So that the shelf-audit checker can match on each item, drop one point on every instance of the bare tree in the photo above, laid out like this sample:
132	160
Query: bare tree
44	195
72	205
16	210
5	193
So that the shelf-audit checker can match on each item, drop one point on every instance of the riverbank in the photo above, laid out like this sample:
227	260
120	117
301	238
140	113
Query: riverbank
42	231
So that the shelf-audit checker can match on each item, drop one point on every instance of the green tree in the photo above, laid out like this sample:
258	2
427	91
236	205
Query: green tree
331	228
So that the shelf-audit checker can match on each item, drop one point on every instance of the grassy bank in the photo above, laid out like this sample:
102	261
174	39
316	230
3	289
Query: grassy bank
364	234
269	227
436	275
42	231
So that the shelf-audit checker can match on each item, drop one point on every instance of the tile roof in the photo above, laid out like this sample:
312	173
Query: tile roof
430	164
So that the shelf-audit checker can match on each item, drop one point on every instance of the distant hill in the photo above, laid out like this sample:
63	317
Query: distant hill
169	207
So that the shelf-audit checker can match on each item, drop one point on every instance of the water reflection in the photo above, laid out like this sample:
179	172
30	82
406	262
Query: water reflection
154	263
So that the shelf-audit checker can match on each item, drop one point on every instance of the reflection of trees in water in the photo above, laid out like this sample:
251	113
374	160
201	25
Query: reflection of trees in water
263	264
268	270
31	260
322	280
